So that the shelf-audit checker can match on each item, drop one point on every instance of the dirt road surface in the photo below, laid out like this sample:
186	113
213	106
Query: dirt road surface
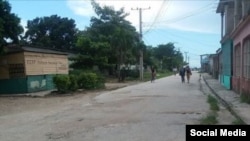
147	111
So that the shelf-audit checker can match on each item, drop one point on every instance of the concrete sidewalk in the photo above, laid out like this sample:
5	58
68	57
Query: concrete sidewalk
229	99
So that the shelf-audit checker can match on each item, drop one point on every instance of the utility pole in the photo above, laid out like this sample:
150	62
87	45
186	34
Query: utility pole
140	37
185	57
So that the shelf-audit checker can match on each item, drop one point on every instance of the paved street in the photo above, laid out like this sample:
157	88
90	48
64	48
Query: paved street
147	111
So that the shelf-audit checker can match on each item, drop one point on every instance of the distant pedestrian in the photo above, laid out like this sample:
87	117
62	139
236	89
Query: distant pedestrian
188	73
182	74
175	71
153	74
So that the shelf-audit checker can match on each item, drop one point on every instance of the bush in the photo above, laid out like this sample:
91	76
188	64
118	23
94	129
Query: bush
100	81
62	83
133	73
73	83
77	79
90	80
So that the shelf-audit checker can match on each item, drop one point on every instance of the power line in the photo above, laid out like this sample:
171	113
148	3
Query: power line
197	42
192	13
159	13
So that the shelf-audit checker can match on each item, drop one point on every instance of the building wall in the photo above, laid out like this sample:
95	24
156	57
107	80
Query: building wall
227	63
239	83
36	74
41	63
229	19
216	66
39	83
13	86
26	84
8	62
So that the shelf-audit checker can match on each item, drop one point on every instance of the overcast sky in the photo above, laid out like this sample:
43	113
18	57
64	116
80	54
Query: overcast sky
193	25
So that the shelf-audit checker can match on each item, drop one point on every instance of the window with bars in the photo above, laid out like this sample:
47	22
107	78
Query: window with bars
237	60
16	70
246	58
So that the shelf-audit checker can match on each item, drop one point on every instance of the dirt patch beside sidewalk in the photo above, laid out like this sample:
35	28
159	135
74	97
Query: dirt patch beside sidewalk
17	104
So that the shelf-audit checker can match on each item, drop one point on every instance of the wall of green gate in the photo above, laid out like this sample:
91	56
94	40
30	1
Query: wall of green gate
26	84
40	83
227	63
13	86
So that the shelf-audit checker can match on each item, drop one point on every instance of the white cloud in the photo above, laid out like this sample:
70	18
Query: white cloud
81	7
179	15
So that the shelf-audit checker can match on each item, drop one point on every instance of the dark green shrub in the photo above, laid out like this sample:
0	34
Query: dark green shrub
73	83
62	82
133	73
90	81
100	81
75	72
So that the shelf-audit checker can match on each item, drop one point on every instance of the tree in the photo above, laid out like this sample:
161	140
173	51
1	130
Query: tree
109	37
90	53
149	57
10	28
52	32
168	56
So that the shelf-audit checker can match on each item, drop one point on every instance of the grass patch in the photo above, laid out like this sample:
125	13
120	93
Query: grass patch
147	75
213	103
210	119
238	122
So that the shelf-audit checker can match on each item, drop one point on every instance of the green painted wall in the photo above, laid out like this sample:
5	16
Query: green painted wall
227	82
50	84
36	83
227	48
40	83
27	84
13	86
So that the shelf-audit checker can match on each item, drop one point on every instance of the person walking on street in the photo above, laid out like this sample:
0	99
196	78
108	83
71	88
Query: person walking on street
153	74
182	74
188	73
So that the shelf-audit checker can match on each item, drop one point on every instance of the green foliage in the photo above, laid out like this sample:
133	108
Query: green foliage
10	27
76	72
133	73
110	40
210	119
238	122
90	53
53	31
164	56
78	79
73	83
90	81
147	75
213	103
62	83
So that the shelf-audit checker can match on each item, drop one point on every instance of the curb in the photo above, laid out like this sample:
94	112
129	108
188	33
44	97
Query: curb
229	108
